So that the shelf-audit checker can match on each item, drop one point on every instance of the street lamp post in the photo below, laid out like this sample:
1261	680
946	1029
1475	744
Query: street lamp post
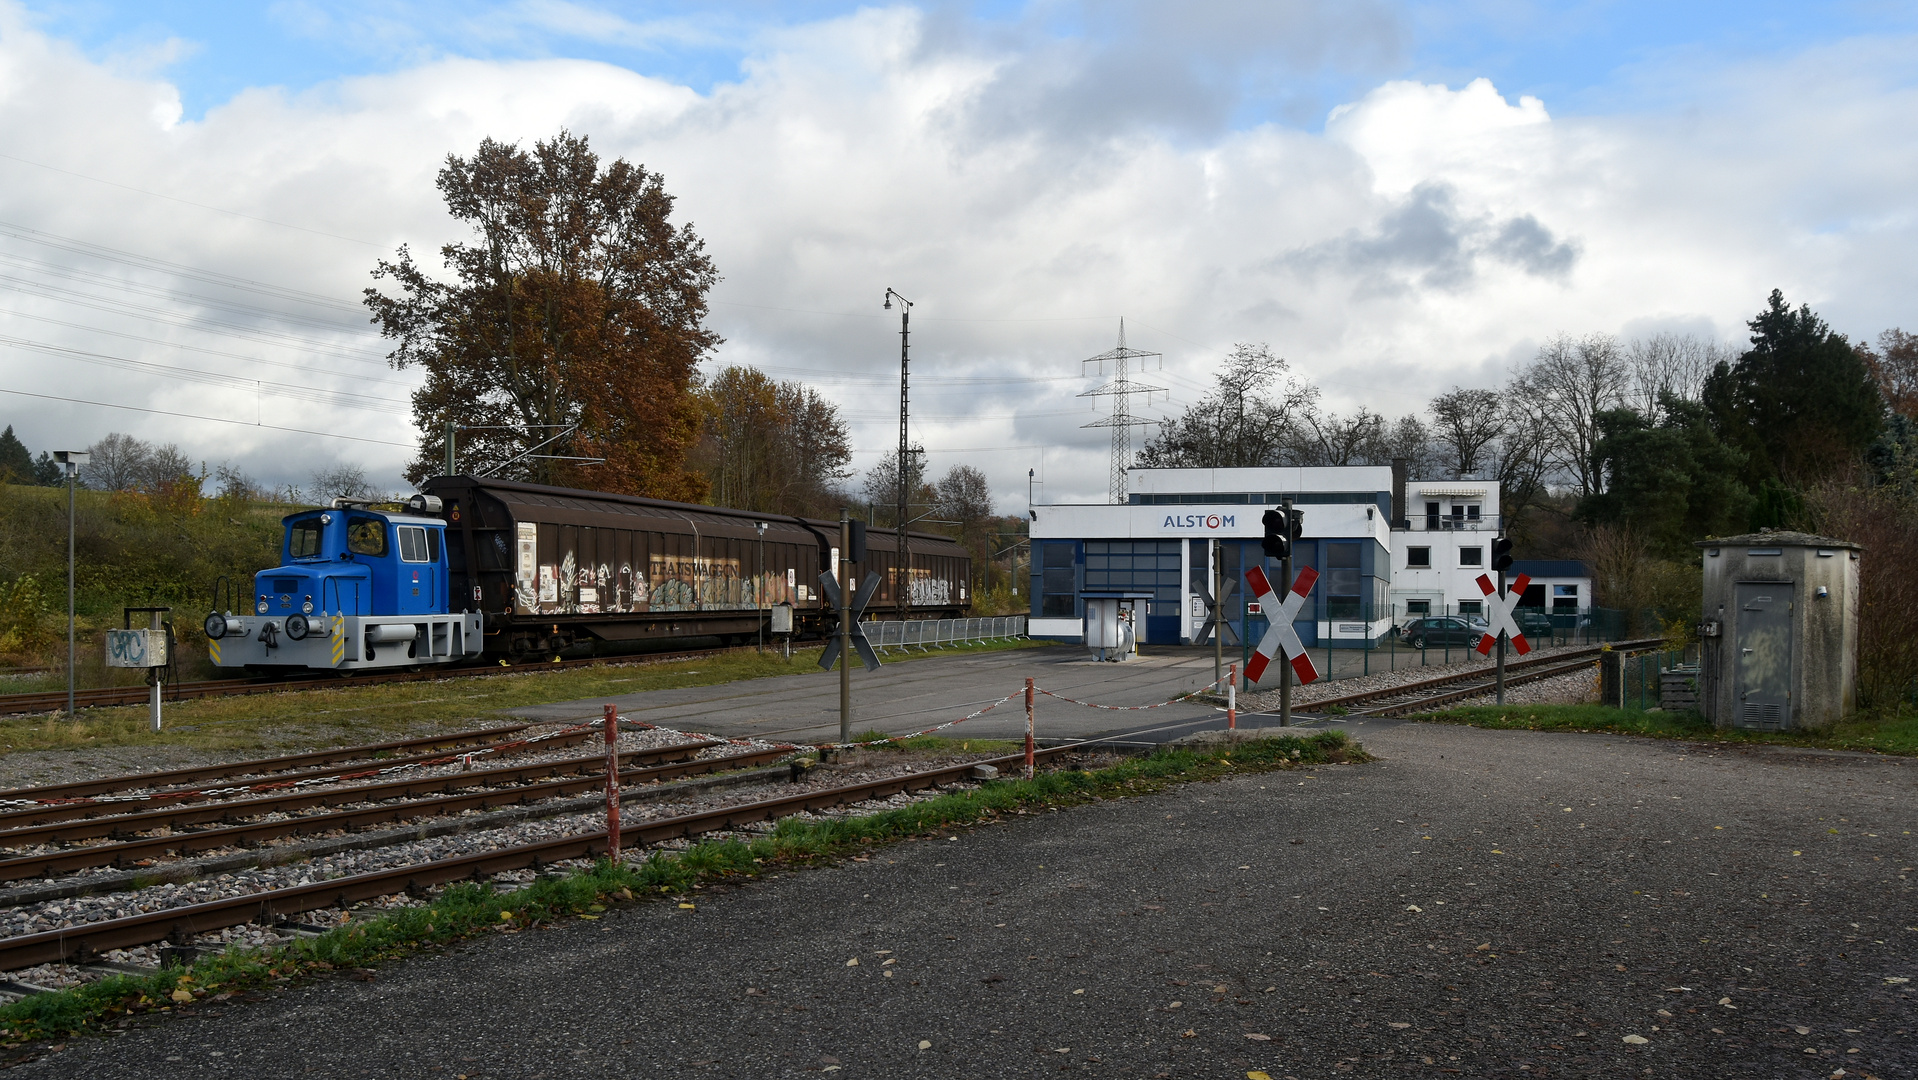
71	460
902	562
759	589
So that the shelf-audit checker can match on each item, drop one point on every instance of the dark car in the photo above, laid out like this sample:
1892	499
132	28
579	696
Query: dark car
1444	630
1533	623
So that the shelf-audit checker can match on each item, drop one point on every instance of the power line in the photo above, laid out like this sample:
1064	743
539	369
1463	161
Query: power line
212	419
74	273
192	348
307	393
140	311
190	202
148	262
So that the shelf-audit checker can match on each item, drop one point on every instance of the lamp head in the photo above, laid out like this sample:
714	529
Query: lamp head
889	301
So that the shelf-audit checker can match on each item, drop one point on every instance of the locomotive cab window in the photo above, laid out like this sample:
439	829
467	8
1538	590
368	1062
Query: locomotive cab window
305	538
413	544
366	536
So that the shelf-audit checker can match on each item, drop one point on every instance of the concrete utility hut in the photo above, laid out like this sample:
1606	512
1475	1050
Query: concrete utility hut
1780	630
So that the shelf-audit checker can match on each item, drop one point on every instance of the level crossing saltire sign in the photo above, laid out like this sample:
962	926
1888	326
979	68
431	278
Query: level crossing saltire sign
830	586
1282	637
1501	608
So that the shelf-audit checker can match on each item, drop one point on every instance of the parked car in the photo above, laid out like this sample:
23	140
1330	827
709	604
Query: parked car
1533	623
1444	630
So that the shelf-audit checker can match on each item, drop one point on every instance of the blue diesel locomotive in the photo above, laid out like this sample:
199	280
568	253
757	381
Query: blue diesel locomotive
356	588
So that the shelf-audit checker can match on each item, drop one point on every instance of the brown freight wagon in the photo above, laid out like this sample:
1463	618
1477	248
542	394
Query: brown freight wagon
554	568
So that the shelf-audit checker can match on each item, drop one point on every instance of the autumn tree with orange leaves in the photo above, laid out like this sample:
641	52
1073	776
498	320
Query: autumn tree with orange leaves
577	303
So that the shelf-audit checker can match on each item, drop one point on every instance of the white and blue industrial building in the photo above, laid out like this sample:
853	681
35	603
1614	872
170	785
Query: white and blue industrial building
1386	548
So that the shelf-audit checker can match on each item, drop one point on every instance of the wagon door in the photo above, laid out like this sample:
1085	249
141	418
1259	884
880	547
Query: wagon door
1763	641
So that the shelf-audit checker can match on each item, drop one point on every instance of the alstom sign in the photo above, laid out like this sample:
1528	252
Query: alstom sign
1206	522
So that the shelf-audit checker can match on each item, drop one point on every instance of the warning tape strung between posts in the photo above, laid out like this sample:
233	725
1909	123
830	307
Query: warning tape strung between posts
926	731
292	785
1187	696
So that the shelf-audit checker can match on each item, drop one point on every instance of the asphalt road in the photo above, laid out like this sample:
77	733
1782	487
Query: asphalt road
908	696
1506	904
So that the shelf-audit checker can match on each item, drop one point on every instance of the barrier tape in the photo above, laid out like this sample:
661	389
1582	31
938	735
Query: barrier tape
1187	696
926	731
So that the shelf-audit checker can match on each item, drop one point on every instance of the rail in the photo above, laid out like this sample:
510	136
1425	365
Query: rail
181	923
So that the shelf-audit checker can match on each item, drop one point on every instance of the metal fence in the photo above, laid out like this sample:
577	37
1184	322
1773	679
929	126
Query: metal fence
1403	639
927	634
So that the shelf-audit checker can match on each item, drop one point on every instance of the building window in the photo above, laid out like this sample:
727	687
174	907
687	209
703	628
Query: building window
1471	556
1432	516
1418	607
1342	581
1471	607
1564	597
1418	558
1058	584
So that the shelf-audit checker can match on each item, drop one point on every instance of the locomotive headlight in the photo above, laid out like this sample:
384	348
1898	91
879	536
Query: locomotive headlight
307	607
261	606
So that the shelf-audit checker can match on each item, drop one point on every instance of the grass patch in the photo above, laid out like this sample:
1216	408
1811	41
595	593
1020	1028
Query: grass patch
468	910
377	712
1892	734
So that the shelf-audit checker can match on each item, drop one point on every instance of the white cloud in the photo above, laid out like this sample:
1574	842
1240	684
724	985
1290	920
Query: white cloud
1427	237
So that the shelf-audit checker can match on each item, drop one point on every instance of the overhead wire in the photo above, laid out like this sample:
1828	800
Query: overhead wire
192	348
207	378
148	262
159	293
212	419
140	311
189	202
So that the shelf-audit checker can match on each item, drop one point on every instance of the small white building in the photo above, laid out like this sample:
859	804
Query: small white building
1441	545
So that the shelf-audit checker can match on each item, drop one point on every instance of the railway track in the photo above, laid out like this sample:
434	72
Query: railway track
110	696
1424	695
268	906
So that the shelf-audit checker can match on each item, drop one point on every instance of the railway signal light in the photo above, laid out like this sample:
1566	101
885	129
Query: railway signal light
1276	541
1298	524
1501	553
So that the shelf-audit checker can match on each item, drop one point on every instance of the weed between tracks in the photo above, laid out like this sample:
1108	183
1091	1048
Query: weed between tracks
467	910
1891	734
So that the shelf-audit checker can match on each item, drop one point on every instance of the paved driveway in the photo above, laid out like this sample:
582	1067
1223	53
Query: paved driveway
1475	903
911	695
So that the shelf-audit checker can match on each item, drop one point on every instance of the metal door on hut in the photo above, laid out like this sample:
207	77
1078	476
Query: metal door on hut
1763	641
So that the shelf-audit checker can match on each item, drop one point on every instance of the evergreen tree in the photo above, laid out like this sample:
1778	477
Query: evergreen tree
16	462
1673	482
1800	404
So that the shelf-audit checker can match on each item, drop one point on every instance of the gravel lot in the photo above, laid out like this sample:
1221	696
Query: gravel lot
1477	903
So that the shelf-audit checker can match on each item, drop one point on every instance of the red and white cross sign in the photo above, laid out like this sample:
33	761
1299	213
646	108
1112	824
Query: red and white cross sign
1501	613
1280	613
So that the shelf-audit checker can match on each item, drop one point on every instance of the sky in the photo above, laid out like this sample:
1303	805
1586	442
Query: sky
1397	197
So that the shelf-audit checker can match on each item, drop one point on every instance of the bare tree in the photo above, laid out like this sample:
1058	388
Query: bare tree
1408	438
1674	364
964	496
1331	439
1573	381
342	481
118	463
1252	419
1466	424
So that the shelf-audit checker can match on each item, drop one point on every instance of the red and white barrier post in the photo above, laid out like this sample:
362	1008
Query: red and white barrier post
612	783
1028	729
1232	698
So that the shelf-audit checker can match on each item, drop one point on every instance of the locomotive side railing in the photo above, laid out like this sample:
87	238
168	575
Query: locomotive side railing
929	634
